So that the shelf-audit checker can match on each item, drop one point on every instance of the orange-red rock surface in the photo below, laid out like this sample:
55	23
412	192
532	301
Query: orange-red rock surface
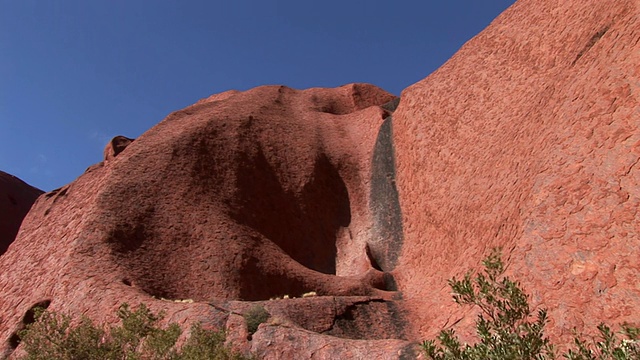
527	139
240	197
16	198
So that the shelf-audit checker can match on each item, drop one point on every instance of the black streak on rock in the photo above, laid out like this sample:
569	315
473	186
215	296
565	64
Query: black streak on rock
386	242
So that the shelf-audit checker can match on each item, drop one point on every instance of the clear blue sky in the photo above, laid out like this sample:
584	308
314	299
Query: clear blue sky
74	73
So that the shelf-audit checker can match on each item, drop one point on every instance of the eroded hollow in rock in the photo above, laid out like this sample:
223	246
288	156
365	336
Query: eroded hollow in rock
273	230
248	200
303	225
370	320
28	318
346	317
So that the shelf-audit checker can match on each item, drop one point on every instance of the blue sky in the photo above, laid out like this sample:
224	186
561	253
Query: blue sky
74	73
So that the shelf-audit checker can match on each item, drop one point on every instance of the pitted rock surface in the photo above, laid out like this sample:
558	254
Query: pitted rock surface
528	139
244	196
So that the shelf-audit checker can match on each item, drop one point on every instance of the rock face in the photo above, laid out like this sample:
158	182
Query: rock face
16	198
116	146
528	139
239	198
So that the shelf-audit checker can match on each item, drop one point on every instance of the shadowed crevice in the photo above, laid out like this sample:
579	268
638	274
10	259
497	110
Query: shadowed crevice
368	320
386	243
592	41
28	318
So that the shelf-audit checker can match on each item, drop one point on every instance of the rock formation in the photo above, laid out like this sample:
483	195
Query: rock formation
16	198
116	146
237	199
527	139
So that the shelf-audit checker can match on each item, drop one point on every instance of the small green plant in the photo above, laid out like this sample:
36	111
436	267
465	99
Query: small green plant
207	344
504	328
255	316
139	334
608	346
52	337
507	329
138	337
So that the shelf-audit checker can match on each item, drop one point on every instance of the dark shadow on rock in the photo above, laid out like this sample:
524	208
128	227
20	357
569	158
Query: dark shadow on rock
259	284
28	318
303	225
369	320
126	238
386	242
16	199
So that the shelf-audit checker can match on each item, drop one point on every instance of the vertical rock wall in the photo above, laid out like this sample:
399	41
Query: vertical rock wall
528	139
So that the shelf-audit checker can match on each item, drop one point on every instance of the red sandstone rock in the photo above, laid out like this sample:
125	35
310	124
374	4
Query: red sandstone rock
116	146
528	139
245	196
16	198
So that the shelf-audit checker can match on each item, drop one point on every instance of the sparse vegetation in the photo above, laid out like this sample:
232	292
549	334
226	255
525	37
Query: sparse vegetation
507	329
139	337
255	316
608	346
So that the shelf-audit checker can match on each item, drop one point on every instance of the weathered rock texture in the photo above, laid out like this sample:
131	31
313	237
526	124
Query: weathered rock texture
528	139
242	196
116	146
16	198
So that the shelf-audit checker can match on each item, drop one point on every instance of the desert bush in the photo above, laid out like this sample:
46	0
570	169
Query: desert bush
507	329
52	337
206	344
255	316
138	337
608	345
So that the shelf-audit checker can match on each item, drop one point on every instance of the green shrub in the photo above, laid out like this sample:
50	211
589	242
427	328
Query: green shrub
608	346
138	337
205	344
255	316
52	337
507	329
